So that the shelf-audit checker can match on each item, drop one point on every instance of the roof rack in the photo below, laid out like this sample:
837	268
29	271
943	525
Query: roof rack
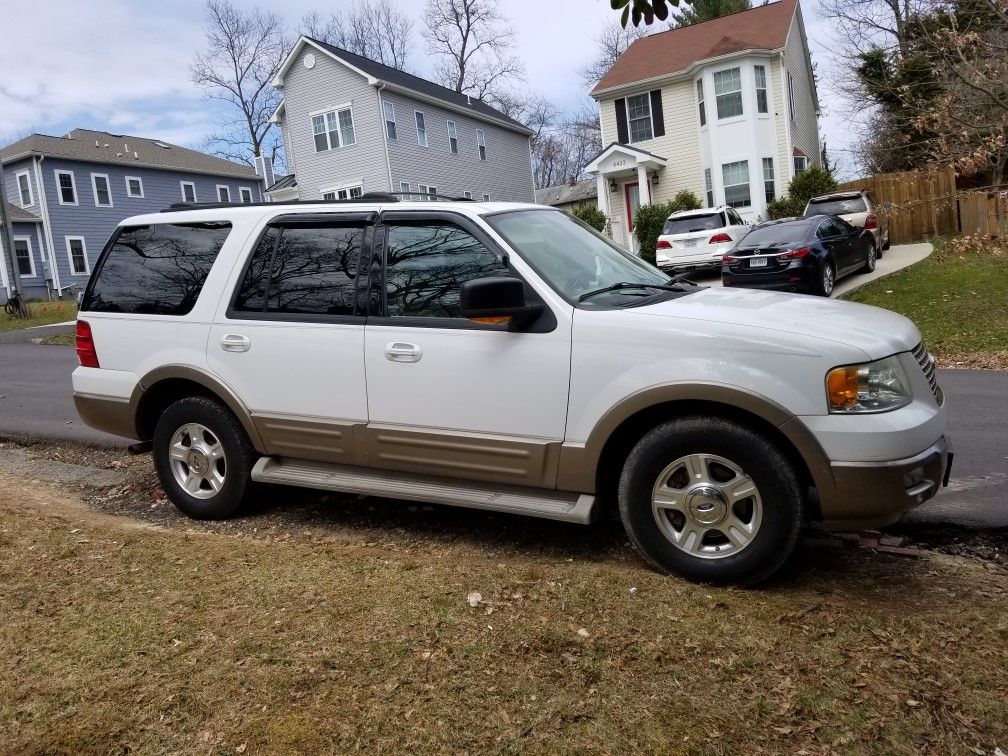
177	207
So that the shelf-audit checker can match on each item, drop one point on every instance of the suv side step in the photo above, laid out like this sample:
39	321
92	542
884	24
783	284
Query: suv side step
554	505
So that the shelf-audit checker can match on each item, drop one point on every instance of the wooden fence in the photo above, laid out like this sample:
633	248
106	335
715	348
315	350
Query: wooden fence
984	212
916	204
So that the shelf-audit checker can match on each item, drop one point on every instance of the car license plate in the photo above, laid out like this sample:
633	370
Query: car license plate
689	243
758	262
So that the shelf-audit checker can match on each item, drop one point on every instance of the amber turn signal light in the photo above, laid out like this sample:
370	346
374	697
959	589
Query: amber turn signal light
842	387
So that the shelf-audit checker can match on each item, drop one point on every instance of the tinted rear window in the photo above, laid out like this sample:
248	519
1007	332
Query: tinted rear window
693	223
773	236
837	206
155	270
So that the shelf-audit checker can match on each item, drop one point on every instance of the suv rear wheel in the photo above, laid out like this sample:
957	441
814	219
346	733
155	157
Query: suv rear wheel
203	458
711	501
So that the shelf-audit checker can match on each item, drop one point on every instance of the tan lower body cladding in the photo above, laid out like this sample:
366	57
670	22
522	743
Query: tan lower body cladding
471	456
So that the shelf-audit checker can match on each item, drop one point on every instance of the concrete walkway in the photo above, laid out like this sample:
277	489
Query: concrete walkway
895	258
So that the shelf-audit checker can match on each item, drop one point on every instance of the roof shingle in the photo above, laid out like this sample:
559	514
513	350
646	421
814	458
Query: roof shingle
762	28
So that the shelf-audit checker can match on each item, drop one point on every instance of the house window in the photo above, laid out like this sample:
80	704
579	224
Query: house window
134	187
467	195
761	95
421	128
23	256
77	252
188	191
790	95
102	195
728	92
245	194
24	189
432	191
422	189
333	129
353	191
486	197
389	110
699	94
709	185
67	187
404	188
768	179
639	117
223	193
800	163
736	184
452	138
481	143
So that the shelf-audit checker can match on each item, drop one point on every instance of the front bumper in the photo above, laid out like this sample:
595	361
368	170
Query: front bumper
873	494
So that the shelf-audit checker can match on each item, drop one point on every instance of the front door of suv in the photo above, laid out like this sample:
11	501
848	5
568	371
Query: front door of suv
447	396
290	340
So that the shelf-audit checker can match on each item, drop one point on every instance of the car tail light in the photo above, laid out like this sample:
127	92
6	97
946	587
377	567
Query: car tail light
871	222
795	254
729	259
86	353
662	244
720	239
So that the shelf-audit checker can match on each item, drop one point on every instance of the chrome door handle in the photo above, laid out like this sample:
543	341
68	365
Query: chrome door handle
401	351
235	342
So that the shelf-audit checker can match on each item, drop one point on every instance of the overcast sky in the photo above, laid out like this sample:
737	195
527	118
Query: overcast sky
122	65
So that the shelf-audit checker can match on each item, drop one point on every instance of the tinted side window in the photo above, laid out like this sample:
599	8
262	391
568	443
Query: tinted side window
156	270
426	264
308	270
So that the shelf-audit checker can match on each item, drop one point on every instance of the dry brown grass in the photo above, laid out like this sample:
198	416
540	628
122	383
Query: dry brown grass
117	634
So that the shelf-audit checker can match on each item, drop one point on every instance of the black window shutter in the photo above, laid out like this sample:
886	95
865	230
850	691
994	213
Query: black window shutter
657	118
622	132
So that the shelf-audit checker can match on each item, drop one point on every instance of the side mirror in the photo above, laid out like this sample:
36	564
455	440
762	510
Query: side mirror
496	301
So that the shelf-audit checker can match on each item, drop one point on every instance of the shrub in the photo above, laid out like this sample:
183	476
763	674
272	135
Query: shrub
811	183
592	216
686	200
784	207
650	220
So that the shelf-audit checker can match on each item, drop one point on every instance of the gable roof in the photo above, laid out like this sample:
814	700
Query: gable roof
379	73
562	194
283	182
90	146
764	27
20	215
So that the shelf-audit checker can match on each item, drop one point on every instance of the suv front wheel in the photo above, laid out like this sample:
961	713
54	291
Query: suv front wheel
203	458
710	500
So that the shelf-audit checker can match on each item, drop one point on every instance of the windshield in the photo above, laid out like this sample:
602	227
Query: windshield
693	223
836	206
777	235
574	259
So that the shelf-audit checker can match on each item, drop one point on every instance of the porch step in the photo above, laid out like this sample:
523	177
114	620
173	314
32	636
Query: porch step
553	505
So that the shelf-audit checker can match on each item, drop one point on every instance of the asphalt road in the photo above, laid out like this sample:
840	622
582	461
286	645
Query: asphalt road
36	401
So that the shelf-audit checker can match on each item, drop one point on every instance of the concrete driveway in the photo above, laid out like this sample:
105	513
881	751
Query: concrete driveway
893	259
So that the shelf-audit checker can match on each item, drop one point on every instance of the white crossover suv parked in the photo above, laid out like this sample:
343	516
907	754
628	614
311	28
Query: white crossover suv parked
505	357
694	239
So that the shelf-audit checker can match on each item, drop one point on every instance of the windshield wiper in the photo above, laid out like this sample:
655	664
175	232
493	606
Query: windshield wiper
630	285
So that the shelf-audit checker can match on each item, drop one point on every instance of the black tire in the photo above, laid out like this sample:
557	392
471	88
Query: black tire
239	457
782	504
871	255
823	287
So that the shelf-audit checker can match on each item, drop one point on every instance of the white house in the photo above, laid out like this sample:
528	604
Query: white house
725	108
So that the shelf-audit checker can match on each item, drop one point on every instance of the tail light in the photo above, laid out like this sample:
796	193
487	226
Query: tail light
86	353
662	244
728	259
795	254
720	239
871	222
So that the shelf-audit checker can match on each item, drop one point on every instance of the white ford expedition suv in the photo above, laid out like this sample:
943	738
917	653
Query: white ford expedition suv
505	357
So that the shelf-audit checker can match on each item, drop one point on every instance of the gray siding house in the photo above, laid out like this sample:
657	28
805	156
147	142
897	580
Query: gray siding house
68	194
351	125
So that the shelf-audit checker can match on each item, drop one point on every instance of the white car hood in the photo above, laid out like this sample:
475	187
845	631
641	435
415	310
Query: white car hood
877	332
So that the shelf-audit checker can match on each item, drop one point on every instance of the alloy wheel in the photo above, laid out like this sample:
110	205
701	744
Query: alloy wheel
828	279
197	460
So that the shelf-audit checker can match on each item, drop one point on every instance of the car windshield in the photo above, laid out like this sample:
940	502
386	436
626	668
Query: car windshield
776	235
575	259
841	206
693	223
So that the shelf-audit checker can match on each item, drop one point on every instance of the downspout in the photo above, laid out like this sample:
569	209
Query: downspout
381	117
44	204
532	166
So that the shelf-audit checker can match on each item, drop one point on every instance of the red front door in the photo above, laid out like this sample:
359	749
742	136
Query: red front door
631	193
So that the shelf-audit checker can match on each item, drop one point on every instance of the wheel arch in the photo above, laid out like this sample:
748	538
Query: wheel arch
163	386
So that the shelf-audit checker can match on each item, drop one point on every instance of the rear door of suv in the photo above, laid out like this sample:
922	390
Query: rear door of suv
290	337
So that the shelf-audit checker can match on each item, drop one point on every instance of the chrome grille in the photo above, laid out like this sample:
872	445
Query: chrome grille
927	363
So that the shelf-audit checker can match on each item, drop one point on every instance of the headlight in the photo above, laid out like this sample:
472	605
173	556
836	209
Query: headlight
872	387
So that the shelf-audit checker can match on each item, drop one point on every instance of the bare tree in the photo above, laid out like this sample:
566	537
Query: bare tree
371	29
610	43
473	47
561	153
244	50
863	25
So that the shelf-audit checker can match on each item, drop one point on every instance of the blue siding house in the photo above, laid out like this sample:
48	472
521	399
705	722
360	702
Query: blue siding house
68	194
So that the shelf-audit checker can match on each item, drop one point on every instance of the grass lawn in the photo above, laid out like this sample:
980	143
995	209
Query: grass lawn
41	312
958	297
356	632
60	339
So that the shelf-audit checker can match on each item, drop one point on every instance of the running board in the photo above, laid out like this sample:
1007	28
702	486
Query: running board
553	505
